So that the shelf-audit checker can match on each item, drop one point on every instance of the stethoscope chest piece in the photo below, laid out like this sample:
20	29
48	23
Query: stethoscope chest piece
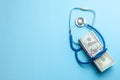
80	22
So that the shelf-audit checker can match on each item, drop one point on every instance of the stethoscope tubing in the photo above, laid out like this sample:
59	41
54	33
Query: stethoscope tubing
80	48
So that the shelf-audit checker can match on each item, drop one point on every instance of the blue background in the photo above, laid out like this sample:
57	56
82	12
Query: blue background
34	41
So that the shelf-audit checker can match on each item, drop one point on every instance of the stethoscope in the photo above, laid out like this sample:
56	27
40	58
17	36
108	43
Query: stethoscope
80	22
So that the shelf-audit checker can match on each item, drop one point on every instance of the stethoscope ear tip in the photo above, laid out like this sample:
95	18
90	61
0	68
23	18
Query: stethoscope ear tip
80	22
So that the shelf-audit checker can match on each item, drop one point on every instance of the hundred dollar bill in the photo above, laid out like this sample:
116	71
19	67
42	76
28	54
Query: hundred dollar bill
93	46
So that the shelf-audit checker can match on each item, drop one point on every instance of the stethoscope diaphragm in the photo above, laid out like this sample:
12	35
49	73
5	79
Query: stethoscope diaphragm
80	22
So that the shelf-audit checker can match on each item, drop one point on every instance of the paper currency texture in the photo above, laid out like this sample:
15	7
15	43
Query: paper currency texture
92	46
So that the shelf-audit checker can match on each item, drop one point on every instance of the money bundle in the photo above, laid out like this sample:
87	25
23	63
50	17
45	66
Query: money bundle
92	47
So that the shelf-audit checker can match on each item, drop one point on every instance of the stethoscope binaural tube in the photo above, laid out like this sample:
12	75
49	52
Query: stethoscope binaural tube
82	9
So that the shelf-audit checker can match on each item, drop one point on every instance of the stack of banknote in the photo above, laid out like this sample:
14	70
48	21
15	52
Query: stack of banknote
92	46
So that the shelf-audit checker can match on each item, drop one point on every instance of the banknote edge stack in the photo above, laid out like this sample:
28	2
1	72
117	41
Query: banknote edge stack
104	54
